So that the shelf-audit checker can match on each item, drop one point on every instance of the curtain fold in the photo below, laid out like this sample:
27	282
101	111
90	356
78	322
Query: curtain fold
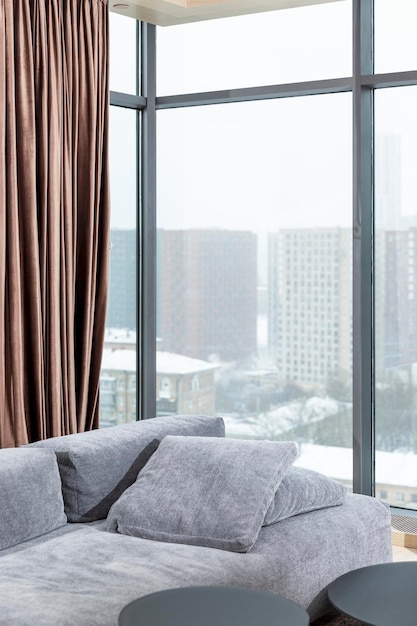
54	215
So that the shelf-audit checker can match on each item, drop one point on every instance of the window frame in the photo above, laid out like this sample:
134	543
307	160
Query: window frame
362	84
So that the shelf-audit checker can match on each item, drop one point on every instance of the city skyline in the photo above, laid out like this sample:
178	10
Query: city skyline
303	264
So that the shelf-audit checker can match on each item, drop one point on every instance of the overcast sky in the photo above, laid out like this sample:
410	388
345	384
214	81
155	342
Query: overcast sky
261	165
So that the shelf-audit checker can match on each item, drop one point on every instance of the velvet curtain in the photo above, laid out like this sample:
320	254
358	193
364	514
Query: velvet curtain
54	215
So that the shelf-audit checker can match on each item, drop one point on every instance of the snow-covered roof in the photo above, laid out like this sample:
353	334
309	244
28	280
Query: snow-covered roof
166	362
118	359
171	363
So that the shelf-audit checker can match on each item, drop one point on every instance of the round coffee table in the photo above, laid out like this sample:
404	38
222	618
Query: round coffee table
378	595
213	606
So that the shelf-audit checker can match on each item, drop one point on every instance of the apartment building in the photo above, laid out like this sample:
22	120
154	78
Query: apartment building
184	385
310	304
121	307
207	288
401	298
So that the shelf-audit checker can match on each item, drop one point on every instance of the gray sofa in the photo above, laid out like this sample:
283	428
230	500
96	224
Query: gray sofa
62	562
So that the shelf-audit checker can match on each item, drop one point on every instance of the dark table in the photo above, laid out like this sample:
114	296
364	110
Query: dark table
213	606
378	595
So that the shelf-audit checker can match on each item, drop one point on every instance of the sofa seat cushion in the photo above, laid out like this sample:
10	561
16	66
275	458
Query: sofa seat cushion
97	466
87	576
204	491
31	501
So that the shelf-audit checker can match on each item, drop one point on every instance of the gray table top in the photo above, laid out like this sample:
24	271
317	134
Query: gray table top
213	606
378	595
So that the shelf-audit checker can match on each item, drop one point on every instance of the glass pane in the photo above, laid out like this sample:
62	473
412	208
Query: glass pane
255	271
395	35
288	45
123	55
396	295
118	370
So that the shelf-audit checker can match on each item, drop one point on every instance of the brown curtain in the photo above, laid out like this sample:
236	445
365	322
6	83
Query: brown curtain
54	215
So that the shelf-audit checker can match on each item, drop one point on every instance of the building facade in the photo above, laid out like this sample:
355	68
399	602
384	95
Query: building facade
121	307
400	306
310	305
184	385
118	387
207	283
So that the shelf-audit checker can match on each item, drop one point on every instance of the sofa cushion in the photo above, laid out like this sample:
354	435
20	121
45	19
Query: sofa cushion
301	491
98	465
204	491
31	501
81	576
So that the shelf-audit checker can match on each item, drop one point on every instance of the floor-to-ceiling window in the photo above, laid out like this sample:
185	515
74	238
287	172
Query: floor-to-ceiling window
276	47
396	256
255	268
118	373
254	256
280	263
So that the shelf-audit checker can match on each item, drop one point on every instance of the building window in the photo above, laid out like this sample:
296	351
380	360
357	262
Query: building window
165	388
195	383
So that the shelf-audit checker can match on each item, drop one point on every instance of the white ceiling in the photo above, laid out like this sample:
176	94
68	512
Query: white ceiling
171	12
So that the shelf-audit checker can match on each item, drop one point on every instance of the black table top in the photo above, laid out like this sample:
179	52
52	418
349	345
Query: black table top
378	595
213	606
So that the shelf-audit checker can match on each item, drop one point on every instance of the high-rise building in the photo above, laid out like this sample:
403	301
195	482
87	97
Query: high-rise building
310	304
121	307
387	218
399	328
388	182
207	293
395	266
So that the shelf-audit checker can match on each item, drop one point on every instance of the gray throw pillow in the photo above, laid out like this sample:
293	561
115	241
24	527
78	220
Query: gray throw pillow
301	491
203	491
31	502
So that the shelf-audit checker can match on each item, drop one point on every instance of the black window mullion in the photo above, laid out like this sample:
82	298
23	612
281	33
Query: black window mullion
146	255
363	252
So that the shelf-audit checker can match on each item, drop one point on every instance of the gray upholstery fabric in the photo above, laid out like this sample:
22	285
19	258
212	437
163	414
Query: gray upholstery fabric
97	466
301	491
204	491
86	576
30	495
